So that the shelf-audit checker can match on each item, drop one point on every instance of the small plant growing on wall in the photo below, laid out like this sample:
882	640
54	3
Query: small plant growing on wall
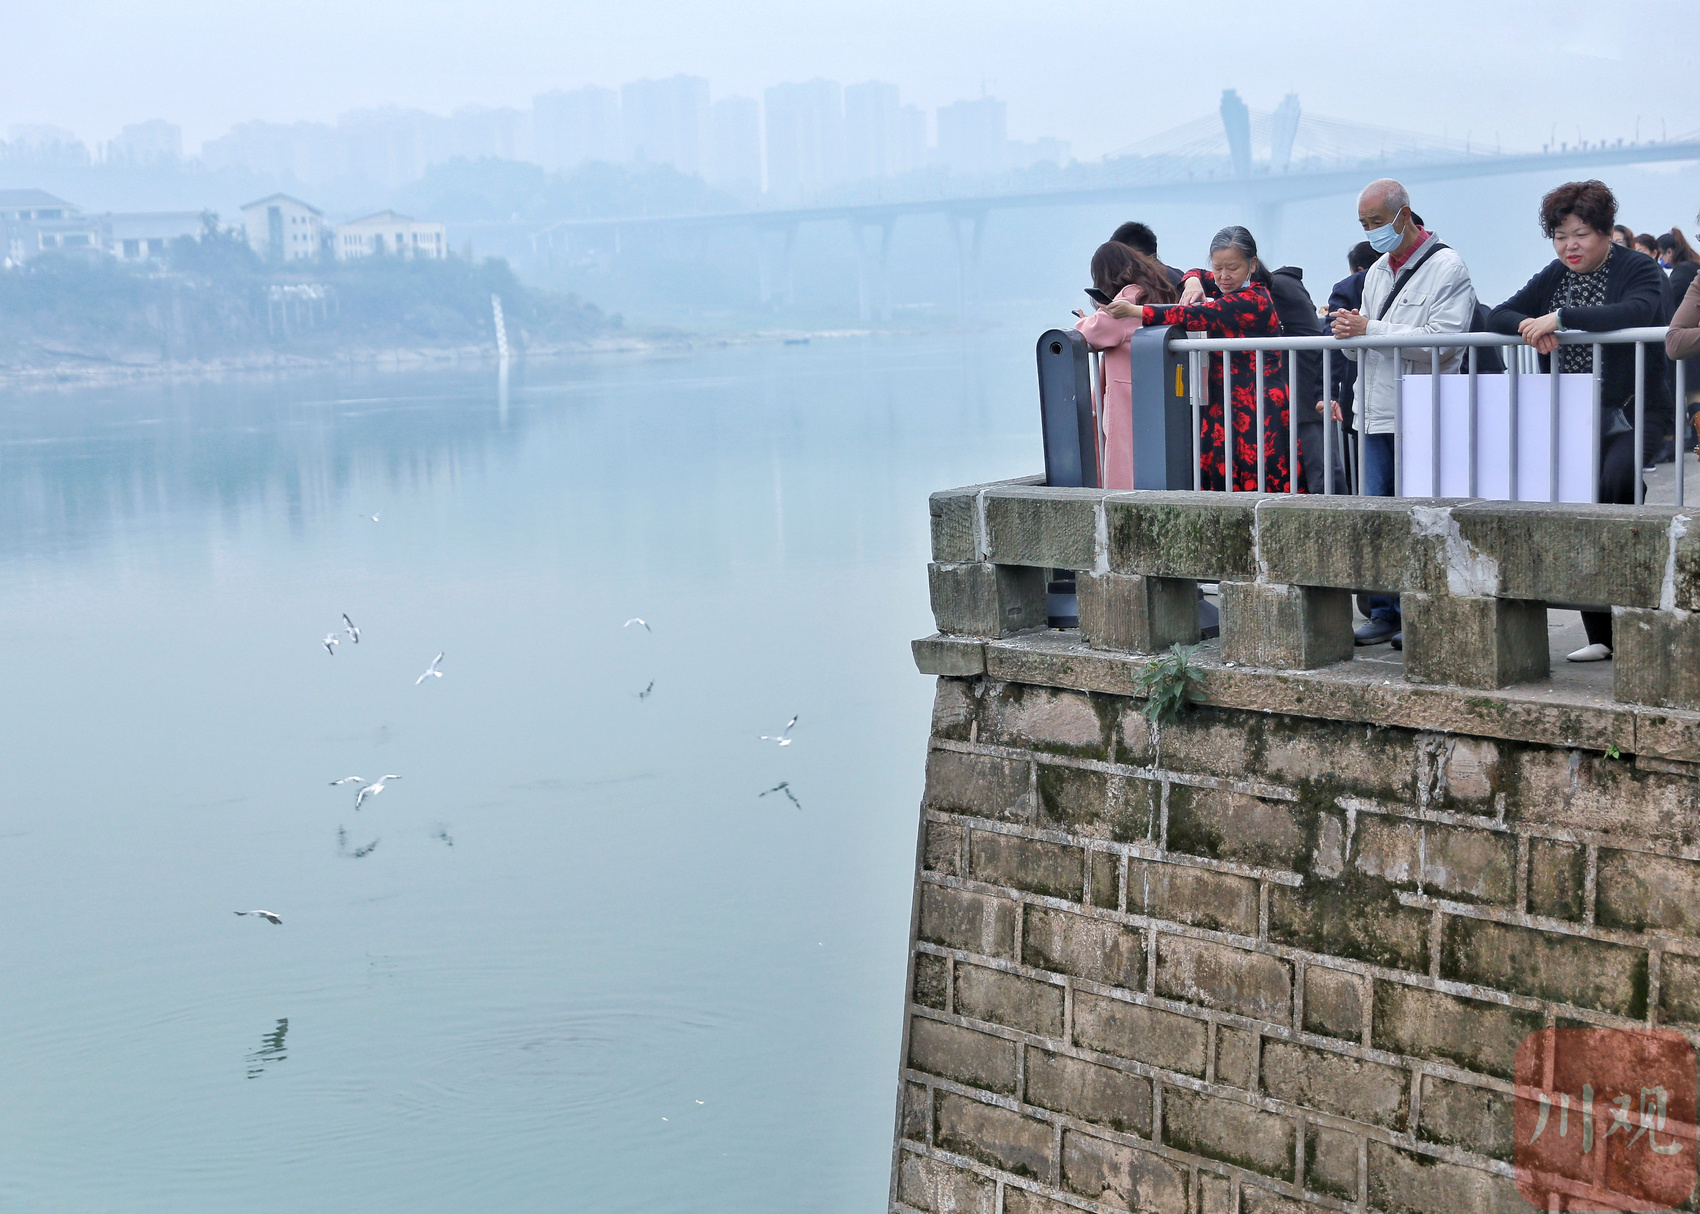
1169	684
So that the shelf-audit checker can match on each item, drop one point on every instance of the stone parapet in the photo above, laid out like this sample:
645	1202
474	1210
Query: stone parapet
1276	956
1480	575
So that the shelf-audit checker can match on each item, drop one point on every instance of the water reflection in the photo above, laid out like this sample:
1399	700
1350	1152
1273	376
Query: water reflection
270	1051
784	786
358	853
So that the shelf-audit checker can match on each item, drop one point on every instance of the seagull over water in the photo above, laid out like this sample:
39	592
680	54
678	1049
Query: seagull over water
330	643
373	517
348	626
432	671
264	914
367	789
784	738
635	620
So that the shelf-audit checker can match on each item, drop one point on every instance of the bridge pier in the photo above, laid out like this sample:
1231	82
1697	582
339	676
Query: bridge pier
967	253
873	284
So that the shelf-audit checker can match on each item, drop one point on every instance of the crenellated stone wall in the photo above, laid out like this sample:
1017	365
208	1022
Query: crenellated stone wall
1278	955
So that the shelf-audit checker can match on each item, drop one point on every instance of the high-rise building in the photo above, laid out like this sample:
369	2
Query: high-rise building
474	132
973	136
569	128
734	159
152	142
912	147
666	121
805	139
872	131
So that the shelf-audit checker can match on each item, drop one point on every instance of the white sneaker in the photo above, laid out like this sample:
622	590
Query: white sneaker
1591	653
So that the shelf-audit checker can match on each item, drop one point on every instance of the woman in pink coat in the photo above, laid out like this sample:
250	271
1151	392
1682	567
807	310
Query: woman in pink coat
1126	274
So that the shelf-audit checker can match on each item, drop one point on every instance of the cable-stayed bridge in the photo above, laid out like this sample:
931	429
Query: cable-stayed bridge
1259	160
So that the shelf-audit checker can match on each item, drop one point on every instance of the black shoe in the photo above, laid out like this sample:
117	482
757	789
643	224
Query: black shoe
1374	632
1398	641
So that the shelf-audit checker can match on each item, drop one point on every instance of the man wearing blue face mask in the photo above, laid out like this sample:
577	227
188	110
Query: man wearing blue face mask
1418	286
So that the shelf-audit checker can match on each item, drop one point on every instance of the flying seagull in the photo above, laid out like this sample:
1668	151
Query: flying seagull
431	671
330	643
371	790
264	914
352	631
784	786
635	620
784	738
373	517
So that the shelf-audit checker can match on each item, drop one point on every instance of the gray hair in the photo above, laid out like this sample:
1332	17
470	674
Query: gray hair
1389	191
1234	237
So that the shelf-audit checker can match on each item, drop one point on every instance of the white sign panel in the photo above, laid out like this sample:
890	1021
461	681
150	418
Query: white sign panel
1535	455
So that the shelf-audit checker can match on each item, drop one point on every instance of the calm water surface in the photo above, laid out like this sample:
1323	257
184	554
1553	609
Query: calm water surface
584	964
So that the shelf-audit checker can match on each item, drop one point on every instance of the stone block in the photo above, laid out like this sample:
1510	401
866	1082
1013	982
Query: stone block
1024	1201
1074	800
1333	757
956	707
1084	948
931	981
1469	865
1089	1092
993	1135
917	1112
1215	1194
1640	892
1053	528
976	923
1236	1058
1656	657
1137	812
1469	773
954	519
1227	825
1227	979
1564	553
1550	789
1546	965
1142	1034
948	657
984	600
1261	1201
976	1059
1137	614
1355	917
982	786
1368	1092
1105	872
1045	719
1679	990
1121	1176
1230	1131
1009	999
1462	641
1335	1002
1196	896
1207	741
1462	1115
1557	872
1404	1183
1475	1034
1368	546
943	851
937	1187
1052	869
1389	848
1331	1162
1205	536
1277	626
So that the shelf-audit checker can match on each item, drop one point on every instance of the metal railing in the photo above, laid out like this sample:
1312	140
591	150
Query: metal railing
1519	365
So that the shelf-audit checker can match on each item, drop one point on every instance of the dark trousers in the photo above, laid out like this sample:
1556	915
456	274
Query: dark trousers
1378	482
1310	457
1617	486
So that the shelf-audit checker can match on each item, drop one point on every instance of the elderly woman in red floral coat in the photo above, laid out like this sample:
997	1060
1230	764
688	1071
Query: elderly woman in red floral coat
1230	303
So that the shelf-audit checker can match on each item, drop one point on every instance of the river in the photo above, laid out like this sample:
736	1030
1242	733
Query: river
573	959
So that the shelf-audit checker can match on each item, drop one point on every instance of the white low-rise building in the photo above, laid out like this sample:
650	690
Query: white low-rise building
147	235
392	234
281	228
33	222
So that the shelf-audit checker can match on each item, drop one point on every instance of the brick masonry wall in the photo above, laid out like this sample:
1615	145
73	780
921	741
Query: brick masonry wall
1264	963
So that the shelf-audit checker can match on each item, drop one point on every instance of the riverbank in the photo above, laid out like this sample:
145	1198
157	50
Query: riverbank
55	367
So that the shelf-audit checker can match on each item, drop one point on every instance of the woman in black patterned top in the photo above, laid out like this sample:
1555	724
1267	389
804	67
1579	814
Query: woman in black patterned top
1594	285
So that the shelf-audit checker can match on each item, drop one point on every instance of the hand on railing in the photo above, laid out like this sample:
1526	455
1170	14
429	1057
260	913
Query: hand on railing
1541	332
1125	309
1192	291
1349	322
1335	409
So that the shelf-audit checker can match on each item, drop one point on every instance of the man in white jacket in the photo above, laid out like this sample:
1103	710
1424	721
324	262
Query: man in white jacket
1418	287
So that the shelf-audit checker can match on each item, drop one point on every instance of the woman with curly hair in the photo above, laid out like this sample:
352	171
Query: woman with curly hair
1237	305
1595	285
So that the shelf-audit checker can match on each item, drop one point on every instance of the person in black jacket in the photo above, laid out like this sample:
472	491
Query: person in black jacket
1348	296
1595	285
1296	311
1141	238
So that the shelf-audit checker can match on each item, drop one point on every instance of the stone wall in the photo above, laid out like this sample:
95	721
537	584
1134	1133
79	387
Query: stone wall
1262	961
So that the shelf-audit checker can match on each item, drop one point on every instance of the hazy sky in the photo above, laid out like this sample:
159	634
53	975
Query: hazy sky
1101	75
